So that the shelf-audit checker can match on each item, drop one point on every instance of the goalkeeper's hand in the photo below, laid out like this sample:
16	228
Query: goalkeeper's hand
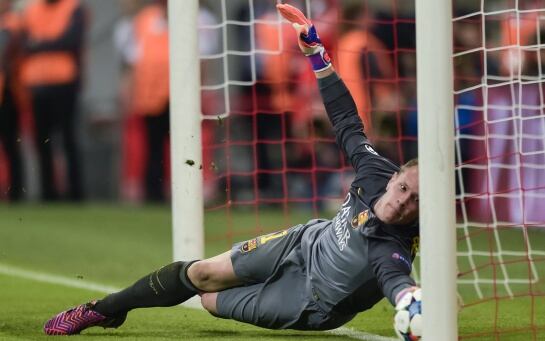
408	316
308	39
402	296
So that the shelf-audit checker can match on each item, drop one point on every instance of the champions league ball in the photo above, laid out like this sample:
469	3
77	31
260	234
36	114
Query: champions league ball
408	317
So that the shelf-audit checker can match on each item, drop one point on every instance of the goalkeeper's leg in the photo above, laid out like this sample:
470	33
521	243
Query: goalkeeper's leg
282	302
167	286
164	287
171	285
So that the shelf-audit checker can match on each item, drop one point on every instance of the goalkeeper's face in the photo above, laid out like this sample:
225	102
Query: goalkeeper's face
399	204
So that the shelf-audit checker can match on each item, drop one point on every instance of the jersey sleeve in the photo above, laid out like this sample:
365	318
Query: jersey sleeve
349	132
392	267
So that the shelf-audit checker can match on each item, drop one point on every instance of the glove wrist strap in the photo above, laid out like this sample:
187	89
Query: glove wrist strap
320	61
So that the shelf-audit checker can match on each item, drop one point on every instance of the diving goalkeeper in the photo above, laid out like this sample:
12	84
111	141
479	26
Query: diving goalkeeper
312	276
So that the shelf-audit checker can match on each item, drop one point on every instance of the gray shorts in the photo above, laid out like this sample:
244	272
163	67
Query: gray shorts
277	293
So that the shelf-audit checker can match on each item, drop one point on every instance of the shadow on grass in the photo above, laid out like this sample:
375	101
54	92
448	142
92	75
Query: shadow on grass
267	334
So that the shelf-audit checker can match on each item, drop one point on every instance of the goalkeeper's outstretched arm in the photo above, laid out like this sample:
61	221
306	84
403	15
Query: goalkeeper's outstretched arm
339	104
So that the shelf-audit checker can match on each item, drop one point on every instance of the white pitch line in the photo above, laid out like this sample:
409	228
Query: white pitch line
72	283
54	279
359	335
192	303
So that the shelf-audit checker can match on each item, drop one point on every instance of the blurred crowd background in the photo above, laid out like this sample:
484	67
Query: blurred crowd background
84	95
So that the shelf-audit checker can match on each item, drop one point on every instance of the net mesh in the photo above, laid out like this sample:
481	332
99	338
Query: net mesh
500	150
270	159
268	147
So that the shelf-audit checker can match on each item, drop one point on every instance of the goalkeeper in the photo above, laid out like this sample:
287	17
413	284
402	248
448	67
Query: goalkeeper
313	276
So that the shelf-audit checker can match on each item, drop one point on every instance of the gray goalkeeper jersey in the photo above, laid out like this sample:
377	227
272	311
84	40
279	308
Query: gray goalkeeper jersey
354	260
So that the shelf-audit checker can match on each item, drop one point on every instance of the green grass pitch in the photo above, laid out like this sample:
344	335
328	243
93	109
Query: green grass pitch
114	245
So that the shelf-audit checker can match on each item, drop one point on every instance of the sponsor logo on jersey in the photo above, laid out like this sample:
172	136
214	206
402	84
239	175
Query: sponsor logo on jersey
399	257
360	219
370	149
272	236
249	245
341	224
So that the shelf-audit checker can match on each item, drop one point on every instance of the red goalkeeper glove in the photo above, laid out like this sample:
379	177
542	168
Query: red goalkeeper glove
308	39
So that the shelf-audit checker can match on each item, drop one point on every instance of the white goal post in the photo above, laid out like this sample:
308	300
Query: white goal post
185	127
436	167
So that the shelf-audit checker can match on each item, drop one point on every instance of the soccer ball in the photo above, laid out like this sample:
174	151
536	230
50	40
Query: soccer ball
408	316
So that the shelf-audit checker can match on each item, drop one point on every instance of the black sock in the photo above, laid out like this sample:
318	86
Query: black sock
165	287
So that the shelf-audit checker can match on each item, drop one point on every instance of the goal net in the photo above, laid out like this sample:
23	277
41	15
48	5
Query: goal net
270	159
500	170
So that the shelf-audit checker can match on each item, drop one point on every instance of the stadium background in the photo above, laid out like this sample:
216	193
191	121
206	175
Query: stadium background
271	164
